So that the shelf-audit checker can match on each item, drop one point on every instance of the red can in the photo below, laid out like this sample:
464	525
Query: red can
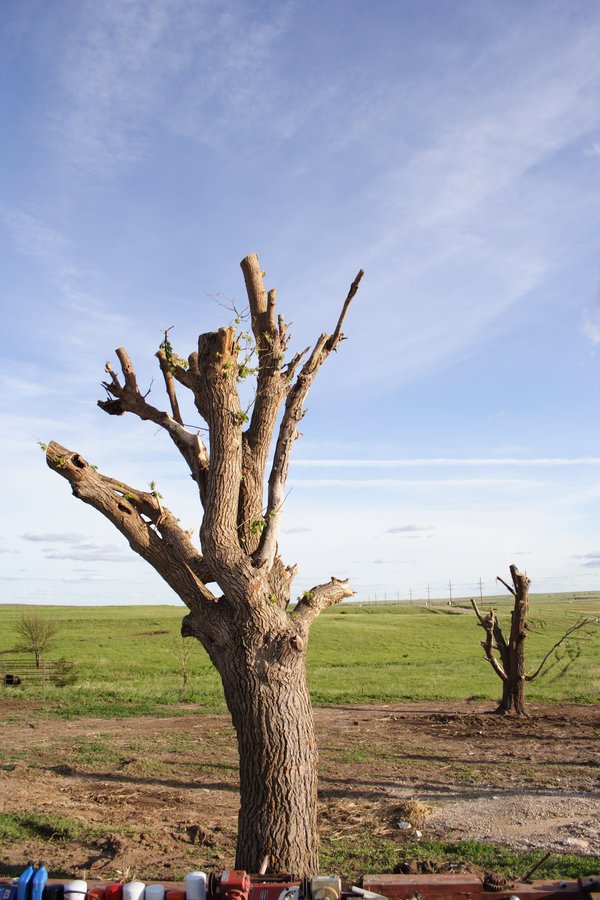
113	891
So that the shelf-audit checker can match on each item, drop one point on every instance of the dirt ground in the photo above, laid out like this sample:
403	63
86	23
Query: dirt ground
165	790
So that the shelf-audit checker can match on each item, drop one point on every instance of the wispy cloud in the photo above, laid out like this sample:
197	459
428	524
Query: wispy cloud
444	461
108	553
412	482
79	549
296	529
127	69
590	560
409	529
83	579
386	562
52	537
51	250
591	320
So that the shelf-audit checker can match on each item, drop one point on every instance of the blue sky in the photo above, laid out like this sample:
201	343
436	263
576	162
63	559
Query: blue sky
451	149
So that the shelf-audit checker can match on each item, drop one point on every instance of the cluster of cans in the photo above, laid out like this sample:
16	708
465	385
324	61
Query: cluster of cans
32	884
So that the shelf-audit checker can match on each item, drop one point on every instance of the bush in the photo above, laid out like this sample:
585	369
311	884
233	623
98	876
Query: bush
65	672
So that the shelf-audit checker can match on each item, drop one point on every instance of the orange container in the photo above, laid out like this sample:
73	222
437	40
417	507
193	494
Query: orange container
175	895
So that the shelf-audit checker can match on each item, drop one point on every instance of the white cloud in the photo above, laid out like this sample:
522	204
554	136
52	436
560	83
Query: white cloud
83	579
408	529
591	560
80	548
51	250
93	555
412	482
591	325
443	461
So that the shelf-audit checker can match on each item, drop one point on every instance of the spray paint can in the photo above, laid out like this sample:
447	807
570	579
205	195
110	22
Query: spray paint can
75	890
38	882
154	892
23	884
113	891
195	886
134	890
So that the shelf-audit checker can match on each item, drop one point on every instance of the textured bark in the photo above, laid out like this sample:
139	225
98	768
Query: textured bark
257	644
509	665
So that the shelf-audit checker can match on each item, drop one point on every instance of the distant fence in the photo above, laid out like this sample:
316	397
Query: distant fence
23	671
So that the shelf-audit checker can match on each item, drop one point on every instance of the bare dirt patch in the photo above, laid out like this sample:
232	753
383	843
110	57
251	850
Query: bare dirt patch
161	795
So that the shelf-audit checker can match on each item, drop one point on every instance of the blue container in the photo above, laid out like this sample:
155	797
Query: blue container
24	883
9	891
39	882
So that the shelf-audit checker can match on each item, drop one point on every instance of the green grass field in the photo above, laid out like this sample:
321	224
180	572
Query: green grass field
127	658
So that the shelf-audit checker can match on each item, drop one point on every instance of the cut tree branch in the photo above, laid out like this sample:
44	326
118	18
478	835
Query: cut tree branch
288	432
490	625
568	633
129	399
322	596
152	531
507	586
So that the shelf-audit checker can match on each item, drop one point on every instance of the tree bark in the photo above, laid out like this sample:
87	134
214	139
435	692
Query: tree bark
510	667
256	643
513	694
271	712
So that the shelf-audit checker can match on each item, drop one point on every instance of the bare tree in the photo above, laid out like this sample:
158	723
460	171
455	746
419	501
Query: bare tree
255	641
36	635
509	665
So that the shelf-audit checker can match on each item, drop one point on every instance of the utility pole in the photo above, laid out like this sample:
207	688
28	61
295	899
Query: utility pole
450	589
480	588
428	595
410	595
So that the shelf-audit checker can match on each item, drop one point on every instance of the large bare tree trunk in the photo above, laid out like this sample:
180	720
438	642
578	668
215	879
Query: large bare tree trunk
271	712
254	640
513	694
510	667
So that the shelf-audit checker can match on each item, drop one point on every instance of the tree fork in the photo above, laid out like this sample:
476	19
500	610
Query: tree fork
510	667
256	643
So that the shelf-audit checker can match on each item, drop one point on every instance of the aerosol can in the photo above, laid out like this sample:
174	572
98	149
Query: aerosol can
24	882
134	890
75	890
38	882
195	886
113	891
154	892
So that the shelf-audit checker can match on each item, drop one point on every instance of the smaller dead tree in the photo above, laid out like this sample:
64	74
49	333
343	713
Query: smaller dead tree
509	665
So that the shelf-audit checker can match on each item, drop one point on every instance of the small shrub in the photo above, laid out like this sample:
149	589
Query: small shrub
65	672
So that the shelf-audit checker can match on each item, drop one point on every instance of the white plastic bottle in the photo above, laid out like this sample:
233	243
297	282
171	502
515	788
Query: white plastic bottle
134	890
195	886
75	890
154	892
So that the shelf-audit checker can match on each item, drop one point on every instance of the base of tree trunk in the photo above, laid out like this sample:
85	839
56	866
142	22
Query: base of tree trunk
512	710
